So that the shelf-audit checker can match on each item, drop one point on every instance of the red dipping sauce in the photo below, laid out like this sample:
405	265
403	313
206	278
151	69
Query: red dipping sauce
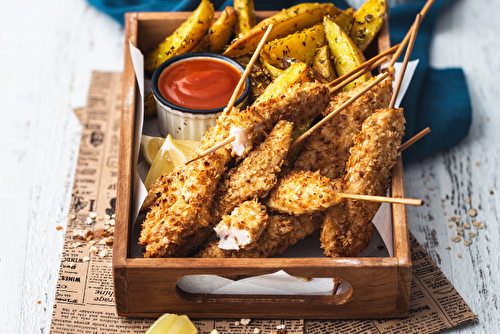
201	83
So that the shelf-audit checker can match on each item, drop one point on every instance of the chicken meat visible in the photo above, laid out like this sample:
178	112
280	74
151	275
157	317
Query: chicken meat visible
183	199
244	226
281	231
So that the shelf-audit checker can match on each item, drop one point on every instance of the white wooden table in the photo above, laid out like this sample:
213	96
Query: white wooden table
48	50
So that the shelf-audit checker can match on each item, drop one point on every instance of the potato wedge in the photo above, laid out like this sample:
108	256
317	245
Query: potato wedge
346	53
219	33
247	19
259	78
149	105
322	64
300	45
287	62
184	39
296	73
345	20
274	72
368	20
286	22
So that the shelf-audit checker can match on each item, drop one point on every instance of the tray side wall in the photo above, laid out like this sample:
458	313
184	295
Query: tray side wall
125	170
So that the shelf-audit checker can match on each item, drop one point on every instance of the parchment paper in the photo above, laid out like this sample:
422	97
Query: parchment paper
84	301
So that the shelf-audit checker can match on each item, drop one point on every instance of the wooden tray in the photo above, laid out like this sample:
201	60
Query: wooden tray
379	287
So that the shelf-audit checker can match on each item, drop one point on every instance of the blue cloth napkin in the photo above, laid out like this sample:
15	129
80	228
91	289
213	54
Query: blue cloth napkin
438	99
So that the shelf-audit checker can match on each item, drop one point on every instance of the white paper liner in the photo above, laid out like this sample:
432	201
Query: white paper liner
278	283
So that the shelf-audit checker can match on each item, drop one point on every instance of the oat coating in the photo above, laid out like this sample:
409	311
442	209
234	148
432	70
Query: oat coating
184	197
304	192
347	229
257	173
244	226
327	148
300	103
261	166
281	231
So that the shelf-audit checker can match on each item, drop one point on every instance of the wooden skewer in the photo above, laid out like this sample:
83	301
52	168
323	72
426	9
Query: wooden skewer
412	140
235	94
423	12
249	68
414	32
394	48
214	148
398	47
358	74
339	109
363	66
407	201
426	8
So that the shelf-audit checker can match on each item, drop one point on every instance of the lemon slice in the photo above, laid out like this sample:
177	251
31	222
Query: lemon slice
172	324
150	146
171	154
186	146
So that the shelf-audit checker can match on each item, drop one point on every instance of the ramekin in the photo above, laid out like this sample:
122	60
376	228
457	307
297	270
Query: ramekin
185	123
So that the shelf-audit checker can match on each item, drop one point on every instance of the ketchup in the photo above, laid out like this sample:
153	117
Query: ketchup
200	83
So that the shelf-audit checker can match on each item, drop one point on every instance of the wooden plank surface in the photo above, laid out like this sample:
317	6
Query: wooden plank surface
49	50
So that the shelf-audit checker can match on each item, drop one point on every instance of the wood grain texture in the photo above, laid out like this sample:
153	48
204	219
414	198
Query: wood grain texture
58	43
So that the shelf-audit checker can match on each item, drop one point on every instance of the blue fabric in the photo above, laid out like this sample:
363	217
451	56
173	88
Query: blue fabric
438	99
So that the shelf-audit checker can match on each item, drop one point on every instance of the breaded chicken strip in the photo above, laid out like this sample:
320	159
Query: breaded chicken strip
281	231
327	148
261	166
186	194
347	229
303	192
300	103
244	226
258	172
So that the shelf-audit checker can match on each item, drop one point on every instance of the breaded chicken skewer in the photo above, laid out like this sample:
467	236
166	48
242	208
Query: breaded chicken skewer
347	229
186	194
327	149
304	192
258	172
281	231
369	168
244	226
261	167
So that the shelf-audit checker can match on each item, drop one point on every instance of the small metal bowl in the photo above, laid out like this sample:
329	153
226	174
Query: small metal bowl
185	123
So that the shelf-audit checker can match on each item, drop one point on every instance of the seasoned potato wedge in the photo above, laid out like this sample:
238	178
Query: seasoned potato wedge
322	64
246	16
296	73
274	72
286	22
368	20
184	39
149	105
259	78
300	45
345	20
219	33
346	53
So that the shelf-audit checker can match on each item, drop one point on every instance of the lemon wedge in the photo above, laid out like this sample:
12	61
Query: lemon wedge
172	324
150	146
172	153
